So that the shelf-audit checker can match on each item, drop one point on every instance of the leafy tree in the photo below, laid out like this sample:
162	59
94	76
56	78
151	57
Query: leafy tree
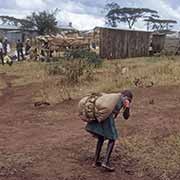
45	22
112	17
127	15
160	24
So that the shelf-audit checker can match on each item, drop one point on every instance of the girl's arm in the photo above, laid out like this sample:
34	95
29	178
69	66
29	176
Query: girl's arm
126	112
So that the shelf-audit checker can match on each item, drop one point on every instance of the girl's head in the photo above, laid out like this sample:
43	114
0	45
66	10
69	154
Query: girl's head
128	94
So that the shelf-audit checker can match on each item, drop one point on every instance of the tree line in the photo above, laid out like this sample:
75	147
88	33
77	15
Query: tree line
45	22
116	15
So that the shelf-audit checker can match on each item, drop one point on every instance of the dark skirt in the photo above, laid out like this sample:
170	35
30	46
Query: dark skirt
107	128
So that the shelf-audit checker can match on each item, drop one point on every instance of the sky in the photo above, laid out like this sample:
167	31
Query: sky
87	14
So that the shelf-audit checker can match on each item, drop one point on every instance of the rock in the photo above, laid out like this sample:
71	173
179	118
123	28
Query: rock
151	101
37	104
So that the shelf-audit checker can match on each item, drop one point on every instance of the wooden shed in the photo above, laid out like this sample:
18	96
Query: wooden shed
116	43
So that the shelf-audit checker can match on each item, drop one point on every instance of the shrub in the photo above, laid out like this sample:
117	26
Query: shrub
55	69
88	56
72	71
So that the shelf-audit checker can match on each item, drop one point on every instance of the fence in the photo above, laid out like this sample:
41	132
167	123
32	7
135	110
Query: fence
115	44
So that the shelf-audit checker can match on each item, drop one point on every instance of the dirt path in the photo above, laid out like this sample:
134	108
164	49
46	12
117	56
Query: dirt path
50	143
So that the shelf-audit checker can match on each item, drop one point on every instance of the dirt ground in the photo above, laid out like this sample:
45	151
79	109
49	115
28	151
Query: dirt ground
50	143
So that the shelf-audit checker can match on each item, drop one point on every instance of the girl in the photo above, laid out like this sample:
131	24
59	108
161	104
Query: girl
107	130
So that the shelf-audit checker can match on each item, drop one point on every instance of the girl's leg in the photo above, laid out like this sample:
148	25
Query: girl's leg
98	150
108	155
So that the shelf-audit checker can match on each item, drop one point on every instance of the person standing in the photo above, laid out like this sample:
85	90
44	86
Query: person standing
106	130
27	47
19	48
1	53
5	46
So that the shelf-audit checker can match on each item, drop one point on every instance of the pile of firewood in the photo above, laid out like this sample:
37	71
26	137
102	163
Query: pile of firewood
65	42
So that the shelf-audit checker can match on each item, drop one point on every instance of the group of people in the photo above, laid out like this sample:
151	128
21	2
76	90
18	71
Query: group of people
7	55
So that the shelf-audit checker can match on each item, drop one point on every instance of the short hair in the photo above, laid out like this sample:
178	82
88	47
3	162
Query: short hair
127	93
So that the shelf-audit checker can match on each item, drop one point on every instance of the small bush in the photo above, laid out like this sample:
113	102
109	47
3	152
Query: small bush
88	56
72	71
55	69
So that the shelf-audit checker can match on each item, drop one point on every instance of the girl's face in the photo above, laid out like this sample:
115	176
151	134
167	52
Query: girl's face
126	104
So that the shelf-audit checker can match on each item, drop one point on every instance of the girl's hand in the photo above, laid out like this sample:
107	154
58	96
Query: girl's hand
126	113
126	104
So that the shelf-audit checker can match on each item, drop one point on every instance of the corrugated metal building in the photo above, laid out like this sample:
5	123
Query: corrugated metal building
13	33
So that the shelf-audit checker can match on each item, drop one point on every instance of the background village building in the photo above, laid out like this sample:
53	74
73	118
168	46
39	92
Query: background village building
13	33
166	43
67	28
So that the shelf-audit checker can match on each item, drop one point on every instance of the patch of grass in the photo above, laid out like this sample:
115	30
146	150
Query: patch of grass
158	159
26	72
107	78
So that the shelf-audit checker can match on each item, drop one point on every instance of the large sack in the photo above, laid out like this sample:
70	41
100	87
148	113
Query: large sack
97	106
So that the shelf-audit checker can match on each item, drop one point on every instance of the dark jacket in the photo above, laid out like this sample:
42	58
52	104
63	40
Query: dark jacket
19	46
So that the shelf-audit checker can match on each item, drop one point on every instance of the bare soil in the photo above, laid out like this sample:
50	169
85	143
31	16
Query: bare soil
50	143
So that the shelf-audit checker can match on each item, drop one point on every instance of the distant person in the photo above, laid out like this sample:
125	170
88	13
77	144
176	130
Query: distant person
93	45
5	46
1	53
151	52
106	130
19	48
27	47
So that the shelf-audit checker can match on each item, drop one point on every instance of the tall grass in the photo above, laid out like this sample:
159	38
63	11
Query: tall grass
78	79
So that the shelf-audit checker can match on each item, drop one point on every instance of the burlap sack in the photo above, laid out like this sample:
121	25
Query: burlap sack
99	109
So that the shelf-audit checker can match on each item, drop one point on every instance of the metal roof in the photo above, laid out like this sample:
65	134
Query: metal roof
9	27
66	27
12	27
121	29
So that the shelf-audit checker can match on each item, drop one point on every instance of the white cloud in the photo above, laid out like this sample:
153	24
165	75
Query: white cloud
81	21
15	13
31	4
163	7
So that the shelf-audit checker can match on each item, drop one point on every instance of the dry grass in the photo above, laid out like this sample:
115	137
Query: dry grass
108	78
26	72
159	160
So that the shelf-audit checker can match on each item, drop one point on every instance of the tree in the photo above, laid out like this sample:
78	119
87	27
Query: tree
127	15
45	22
160	24
111	17
111	20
